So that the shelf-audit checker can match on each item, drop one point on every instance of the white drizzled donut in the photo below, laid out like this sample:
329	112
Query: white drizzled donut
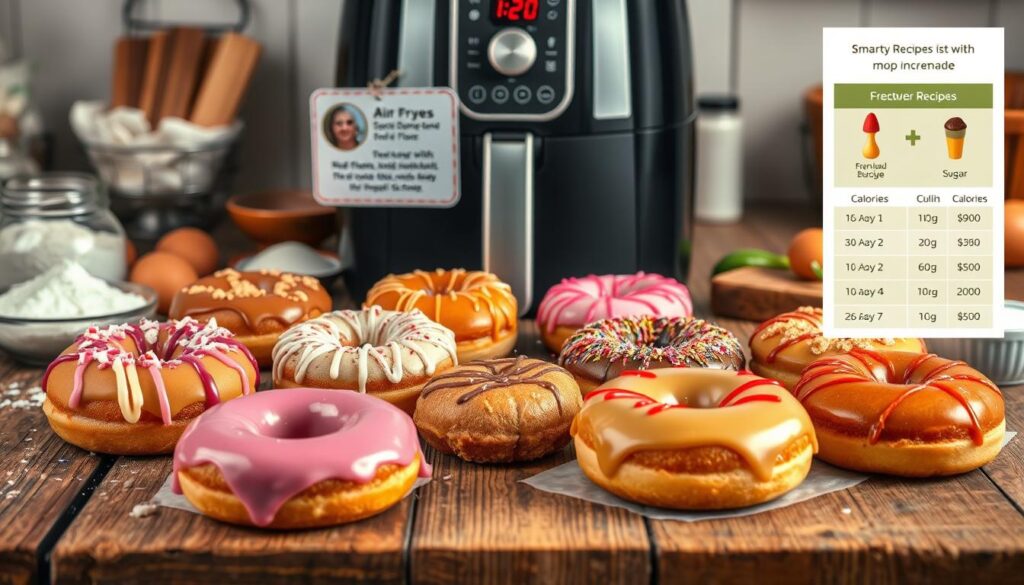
365	343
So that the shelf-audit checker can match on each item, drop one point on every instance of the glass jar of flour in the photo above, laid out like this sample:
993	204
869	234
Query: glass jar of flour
56	216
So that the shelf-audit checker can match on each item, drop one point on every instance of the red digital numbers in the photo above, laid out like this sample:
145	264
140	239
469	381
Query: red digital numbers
515	10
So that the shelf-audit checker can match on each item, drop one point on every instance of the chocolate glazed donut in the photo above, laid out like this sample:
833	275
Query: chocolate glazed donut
501	410
603	350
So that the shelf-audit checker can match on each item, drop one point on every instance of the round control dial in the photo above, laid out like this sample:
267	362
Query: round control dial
512	51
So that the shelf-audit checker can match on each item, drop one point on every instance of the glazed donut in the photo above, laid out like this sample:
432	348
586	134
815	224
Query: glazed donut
256	306
132	389
902	413
574	302
386	353
781	347
476	306
603	350
299	458
694	438
503	410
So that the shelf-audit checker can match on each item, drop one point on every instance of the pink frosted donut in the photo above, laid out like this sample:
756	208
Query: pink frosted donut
575	302
298	458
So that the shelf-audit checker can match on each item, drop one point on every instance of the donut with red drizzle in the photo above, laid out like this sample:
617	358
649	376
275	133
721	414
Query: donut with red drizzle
605	349
694	438
501	410
781	347
910	414
132	389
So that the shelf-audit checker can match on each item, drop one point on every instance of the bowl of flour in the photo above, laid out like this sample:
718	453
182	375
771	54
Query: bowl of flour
41	317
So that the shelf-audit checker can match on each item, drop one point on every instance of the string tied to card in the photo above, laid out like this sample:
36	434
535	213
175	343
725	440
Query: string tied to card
377	86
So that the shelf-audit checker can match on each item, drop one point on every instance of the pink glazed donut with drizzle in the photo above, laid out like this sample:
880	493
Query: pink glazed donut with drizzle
132	389
298	458
576	302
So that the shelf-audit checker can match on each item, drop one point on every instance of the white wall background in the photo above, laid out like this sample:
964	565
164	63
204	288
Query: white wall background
766	51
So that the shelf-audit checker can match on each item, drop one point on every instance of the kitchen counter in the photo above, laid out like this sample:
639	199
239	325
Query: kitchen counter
65	513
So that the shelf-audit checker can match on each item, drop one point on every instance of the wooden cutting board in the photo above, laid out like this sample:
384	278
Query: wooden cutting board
758	294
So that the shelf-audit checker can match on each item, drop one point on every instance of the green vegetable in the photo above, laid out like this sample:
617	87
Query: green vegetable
750	257
816	269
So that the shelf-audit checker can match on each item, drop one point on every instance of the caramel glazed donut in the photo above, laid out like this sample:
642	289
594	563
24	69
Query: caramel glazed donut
694	438
603	350
476	306
910	414
132	389
783	346
385	353
298	458
256	306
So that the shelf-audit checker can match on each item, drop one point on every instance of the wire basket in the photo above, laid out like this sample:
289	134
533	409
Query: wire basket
157	188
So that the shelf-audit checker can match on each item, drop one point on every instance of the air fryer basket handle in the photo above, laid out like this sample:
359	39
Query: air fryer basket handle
508	212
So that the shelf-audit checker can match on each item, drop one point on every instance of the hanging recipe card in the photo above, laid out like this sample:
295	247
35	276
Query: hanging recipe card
913	182
386	148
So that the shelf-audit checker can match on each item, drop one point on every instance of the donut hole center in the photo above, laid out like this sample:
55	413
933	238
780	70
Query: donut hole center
322	419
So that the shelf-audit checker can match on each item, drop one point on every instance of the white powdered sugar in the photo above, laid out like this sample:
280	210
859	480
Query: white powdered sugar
28	248
66	291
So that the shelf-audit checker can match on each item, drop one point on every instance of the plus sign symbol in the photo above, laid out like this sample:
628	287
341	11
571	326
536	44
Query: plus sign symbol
913	137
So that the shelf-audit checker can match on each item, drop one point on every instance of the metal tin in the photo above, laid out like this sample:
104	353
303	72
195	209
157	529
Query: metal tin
1001	359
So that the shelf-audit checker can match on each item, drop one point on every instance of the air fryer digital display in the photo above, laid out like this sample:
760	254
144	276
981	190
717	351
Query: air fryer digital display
515	10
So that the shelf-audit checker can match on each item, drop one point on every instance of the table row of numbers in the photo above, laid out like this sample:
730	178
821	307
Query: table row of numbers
936	269
921	242
873	317
900	218
914	292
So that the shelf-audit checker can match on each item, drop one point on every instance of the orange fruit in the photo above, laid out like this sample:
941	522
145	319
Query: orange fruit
1013	222
805	248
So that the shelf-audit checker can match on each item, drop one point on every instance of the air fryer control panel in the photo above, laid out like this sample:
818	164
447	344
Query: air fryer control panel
512	59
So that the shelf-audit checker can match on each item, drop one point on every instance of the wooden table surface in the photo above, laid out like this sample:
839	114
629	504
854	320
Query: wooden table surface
65	513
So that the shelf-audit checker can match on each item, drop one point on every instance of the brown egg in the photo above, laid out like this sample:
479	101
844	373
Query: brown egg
193	245
165	273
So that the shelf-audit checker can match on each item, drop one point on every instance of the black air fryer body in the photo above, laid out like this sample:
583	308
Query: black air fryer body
587	170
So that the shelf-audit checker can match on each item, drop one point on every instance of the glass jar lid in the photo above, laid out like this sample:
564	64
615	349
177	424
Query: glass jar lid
52	195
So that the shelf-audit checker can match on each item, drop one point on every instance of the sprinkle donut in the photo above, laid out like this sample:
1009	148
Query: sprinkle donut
575	302
132	389
298	458
390	354
693	438
603	350
902	413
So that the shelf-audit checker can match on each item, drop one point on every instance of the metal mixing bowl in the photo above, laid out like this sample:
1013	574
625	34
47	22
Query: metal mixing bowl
37	341
1001	359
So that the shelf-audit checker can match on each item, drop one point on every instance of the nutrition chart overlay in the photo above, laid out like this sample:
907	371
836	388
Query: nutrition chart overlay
913	182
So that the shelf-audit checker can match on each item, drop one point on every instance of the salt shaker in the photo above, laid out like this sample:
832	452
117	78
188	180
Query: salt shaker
719	160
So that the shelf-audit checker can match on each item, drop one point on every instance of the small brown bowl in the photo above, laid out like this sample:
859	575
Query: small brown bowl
270	217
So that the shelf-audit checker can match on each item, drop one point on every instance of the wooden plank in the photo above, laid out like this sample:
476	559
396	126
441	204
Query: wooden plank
105	544
884	531
759	294
479	524
1007	471
40	477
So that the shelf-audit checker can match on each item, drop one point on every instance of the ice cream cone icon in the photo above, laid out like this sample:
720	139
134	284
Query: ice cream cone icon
956	129
871	128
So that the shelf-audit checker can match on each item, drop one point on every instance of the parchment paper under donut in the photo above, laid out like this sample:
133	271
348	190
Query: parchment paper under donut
568	480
